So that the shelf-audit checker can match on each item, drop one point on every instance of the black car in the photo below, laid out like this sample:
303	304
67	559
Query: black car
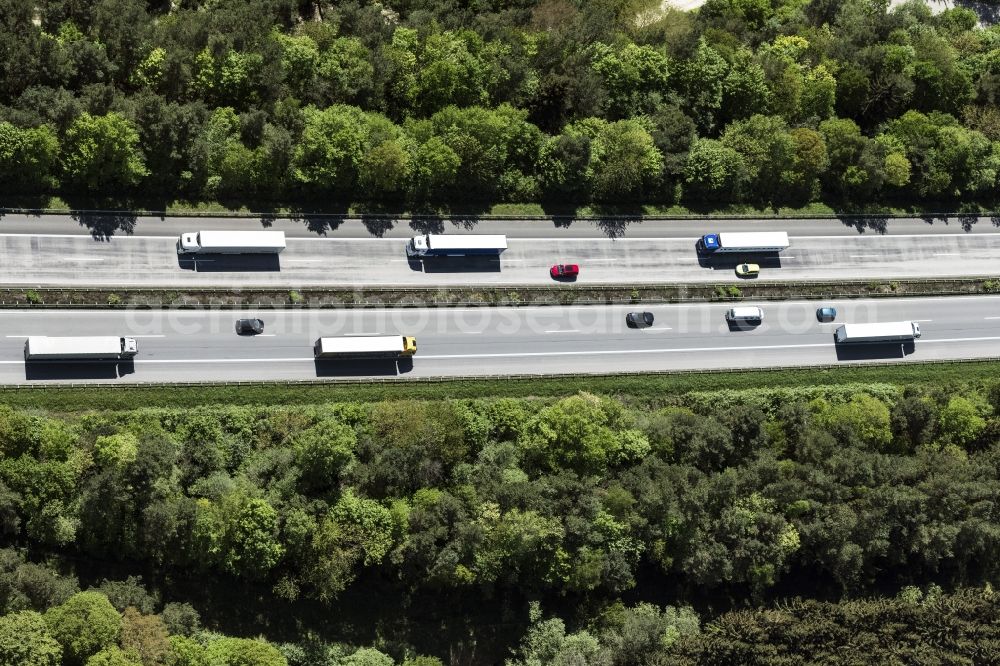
639	319
249	326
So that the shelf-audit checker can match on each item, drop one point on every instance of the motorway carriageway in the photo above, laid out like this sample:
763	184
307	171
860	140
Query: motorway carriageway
151	261
196	346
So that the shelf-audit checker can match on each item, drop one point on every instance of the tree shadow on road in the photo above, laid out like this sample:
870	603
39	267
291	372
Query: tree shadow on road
103	226
864	223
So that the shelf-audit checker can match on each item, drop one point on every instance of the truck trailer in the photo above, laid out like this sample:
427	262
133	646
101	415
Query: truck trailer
366	346
758	241
895	331
231	242
91	348
455	245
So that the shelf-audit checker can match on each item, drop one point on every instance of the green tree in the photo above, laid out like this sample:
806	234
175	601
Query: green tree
768	151
117	450
714	172
242	652
252	548
347	69
368	657
28	157
322	452
356	531
186	651
114	656
84	625
863	417
962	420
25	640
582	432
701	83
101	154
635	78
546	643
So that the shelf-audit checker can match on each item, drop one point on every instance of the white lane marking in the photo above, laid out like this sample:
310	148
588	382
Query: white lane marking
265	335
947	254
865	256
83	259
961	339
304	261
921	320
28	335
223	360
568	330
658	328
605	352
991	317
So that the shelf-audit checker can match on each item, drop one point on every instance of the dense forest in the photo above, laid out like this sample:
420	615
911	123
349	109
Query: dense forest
419	104
681	530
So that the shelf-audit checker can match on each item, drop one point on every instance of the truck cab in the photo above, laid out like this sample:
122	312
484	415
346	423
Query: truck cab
417	246
709	243
188	243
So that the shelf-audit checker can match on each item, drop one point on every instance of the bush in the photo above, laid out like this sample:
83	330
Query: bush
84	625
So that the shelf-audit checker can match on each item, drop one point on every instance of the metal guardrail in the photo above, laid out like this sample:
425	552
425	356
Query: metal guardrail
399	380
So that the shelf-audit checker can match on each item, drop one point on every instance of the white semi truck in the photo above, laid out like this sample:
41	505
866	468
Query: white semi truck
455	245
231	242
365	346
755	241
895	331
88	348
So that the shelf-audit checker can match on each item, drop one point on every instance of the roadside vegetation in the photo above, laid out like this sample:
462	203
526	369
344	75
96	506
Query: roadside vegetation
570	529
563	294
422	105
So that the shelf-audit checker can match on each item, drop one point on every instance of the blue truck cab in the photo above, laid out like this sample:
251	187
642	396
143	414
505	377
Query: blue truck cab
709	243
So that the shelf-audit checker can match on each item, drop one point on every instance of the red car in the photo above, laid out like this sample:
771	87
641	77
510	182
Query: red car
563	271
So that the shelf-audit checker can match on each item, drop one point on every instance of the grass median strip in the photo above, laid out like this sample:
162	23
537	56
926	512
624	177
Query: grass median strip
488	296
638	388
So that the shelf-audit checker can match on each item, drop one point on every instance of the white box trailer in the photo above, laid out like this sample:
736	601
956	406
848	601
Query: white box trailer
231	242
89	348
895	331
455	245
736	241
365	346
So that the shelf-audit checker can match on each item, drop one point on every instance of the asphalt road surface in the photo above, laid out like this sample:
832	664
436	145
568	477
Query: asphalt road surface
146	261
194	346
102	226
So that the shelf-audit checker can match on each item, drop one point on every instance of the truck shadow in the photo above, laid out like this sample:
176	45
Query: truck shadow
729	261
870	351
742	325
381	367
229	263
61	370
480	264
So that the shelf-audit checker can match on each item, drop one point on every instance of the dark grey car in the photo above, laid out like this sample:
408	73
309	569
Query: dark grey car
639	319
249	326
826	314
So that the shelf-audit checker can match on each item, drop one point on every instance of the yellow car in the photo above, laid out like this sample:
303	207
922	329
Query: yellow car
747	270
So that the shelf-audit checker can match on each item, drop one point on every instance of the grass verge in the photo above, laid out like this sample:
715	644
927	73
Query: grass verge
634	387
555	294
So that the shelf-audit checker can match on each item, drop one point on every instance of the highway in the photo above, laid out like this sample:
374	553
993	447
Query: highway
201	346
151	261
